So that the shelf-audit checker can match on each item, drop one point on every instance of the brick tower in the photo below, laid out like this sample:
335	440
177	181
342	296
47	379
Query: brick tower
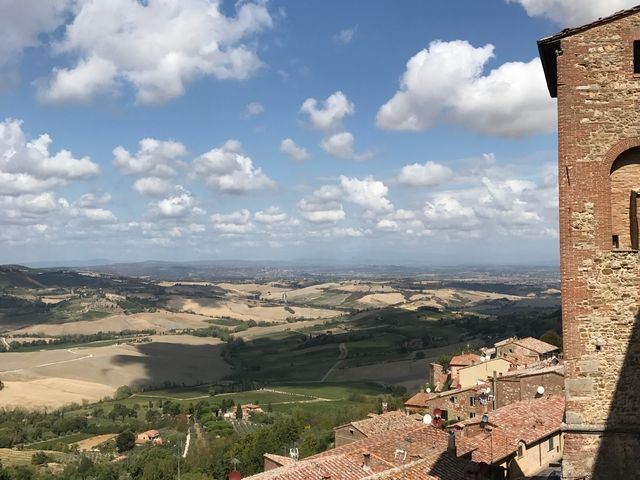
594	71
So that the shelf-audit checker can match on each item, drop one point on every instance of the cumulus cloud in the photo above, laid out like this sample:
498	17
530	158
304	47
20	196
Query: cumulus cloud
154	158
253	109
322	206
228	170
197	39
368	193
289	147
92	200
340	145
424	175
152	186
445	82
571	13
178	205
29	167
345	36
329	115
22	22
235	223
271	215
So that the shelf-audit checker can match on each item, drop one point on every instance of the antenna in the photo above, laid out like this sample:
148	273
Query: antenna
294	454
400	454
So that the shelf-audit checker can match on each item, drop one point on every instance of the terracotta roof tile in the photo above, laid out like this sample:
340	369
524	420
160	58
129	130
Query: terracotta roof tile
465	360
527	421
536	345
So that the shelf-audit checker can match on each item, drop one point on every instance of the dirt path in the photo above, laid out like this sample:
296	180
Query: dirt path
344	351
6	344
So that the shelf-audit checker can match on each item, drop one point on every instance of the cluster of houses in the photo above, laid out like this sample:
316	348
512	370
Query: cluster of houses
499	418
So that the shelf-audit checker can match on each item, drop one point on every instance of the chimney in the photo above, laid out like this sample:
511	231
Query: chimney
366	461
451	443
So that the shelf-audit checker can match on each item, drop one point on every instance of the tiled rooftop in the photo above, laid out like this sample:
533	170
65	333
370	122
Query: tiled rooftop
536	345
464	360
527	421
381	423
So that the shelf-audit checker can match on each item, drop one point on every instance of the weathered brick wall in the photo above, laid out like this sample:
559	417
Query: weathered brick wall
598	100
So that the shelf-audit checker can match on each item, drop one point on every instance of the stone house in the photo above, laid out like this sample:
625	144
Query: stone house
594	72
522	438
458	404
525	351
373	425
528	384
150	436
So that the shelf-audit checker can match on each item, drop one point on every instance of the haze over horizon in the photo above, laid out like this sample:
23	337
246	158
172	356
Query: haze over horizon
280	130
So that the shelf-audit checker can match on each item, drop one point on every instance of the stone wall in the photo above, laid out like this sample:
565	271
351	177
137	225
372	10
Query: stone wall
514	389
598	100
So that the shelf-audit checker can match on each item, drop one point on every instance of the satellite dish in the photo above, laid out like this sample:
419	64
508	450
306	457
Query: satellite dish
437	412
428	390
483	358
540	390
427	419
488	390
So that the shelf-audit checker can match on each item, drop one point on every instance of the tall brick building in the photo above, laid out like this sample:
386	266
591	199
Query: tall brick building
594	71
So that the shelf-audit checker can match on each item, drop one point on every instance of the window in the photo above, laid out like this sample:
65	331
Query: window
615	242
520	450
472	401
636	56
472	414
351	431
551	445
444	415
453	399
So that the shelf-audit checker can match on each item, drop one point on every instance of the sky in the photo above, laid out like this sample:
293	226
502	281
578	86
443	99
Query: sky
386	131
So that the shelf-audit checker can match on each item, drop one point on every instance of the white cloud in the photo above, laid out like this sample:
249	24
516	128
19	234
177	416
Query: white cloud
445	82
152	186
340	145
345	36
572	13
368	193
446	210
328	117
162	46
28	167
235	223
289	147
253	109
270	216
228	170
23	21
92	200
154	158
428	175
318	211
178	205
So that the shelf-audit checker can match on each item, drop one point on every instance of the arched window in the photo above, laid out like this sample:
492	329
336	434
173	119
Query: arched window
625	188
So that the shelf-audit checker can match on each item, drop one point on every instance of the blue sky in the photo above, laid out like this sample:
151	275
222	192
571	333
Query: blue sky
390	132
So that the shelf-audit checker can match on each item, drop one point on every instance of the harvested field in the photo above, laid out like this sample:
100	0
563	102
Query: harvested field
53	378
160	321
93	442
244	310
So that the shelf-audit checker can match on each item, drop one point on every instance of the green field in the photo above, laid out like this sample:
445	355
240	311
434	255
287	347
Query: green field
11	458
54	442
